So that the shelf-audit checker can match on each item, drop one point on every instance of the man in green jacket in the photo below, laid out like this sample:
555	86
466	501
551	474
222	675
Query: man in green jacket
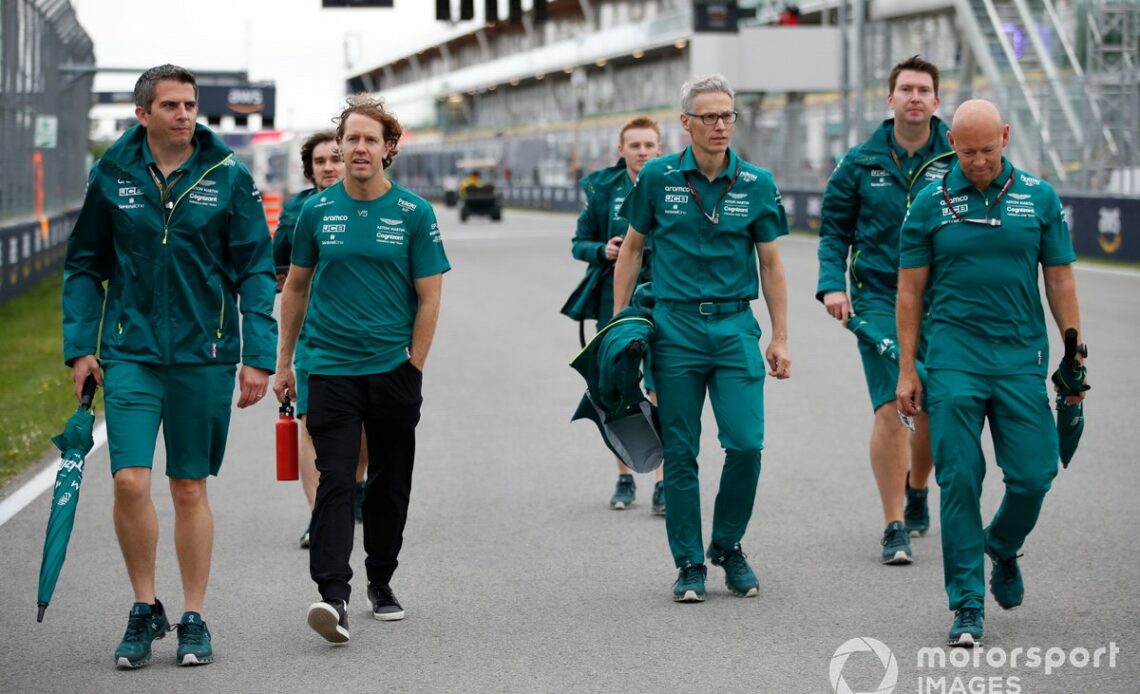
863	206
597	242
972	244
172	223
714	220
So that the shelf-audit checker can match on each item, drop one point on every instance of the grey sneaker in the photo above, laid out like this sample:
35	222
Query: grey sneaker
330	620
145	624
385	606
624	493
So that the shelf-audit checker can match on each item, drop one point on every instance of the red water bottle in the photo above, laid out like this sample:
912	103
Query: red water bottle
286	442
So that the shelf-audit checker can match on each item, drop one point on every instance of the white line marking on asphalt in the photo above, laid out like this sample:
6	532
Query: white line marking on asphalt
1100	269
43	481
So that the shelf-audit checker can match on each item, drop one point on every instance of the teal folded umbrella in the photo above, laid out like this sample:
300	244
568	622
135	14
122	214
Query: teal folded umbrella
1068	381
886	346
74	443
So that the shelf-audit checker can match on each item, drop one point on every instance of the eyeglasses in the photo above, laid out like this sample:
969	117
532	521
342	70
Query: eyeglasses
729	117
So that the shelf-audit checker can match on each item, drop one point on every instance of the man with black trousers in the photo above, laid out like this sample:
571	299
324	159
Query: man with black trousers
363	295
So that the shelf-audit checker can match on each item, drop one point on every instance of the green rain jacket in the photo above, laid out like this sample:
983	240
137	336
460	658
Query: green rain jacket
597	224
172	280
287	223
863	207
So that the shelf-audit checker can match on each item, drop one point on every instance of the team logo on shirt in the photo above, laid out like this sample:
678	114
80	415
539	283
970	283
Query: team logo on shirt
203	196
391	222
392	237
129	191
324	202
747	176
405	205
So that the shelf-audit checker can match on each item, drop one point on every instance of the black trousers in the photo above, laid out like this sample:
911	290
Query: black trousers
387	405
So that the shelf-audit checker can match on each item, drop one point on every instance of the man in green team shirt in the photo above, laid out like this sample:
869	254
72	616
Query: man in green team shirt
973	242
365	282
863	206
712	217
597	240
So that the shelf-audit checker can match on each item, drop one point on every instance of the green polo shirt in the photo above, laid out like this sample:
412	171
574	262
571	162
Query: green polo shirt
367	255
985	306
695	259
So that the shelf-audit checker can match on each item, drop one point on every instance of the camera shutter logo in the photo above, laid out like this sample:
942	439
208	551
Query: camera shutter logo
864	645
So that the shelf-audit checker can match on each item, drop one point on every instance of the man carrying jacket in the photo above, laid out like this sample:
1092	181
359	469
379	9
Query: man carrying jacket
863	207
597	241
173	223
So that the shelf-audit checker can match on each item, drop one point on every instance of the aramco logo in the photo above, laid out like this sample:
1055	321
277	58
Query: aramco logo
864	645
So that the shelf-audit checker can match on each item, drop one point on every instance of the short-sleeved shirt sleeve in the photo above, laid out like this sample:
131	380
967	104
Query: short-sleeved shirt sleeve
915	248
427	254
1056	242
639	208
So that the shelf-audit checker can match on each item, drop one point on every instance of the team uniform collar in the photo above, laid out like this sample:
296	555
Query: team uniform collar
148	157
956	181
689	163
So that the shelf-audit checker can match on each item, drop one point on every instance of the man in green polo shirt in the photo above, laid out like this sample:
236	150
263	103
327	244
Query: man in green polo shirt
863	206
711	216
171	236
597	240
973	243
366	276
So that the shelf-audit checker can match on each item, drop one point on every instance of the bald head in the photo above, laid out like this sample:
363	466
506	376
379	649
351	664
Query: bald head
979	137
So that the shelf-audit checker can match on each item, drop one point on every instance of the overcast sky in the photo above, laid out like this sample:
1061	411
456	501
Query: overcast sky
295	43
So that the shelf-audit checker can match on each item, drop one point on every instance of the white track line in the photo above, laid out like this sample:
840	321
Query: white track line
43	481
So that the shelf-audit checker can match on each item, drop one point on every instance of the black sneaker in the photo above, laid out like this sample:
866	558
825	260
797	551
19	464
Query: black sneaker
145	624
385	606
659	498
330	620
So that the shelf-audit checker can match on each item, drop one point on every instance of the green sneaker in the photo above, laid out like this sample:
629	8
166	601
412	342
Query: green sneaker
916	513
1006	584
690	583
896	544
659	499
145	624
967	628
624	493
358	502
738	575
193	640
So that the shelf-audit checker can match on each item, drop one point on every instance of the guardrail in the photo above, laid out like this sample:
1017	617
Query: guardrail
32	250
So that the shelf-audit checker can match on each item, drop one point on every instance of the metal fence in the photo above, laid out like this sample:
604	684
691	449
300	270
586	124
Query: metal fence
44	108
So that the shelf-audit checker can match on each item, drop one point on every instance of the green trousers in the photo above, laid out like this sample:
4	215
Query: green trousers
721	354
1025	444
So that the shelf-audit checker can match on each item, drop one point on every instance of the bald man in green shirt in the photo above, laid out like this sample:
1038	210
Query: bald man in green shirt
974	242
714	219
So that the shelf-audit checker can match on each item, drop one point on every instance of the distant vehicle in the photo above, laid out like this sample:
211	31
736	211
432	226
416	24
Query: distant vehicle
478	196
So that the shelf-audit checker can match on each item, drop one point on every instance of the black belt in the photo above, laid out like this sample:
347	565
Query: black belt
707	308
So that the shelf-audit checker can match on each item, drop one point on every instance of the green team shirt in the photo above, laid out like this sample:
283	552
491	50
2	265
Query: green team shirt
367	255
694	258
985	306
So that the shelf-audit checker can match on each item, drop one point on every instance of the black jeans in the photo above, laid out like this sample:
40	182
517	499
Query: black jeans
387	405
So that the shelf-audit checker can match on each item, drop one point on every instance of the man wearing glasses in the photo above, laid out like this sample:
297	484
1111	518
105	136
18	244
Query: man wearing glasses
863	206
973	242
711	215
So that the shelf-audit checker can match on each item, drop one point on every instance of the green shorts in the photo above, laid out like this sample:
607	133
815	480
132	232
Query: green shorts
881	372
191	402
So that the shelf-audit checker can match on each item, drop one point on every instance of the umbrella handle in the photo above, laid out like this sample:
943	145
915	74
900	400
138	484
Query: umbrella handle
41	607
1072	349
88	394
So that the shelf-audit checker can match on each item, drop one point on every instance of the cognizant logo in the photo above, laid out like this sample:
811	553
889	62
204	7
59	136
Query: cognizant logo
864	645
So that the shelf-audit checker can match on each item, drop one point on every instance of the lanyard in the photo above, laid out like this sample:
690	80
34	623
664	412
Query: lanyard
164	191
713	216
987	221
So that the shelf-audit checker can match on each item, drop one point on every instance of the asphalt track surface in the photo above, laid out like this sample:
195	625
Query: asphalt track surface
516	576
